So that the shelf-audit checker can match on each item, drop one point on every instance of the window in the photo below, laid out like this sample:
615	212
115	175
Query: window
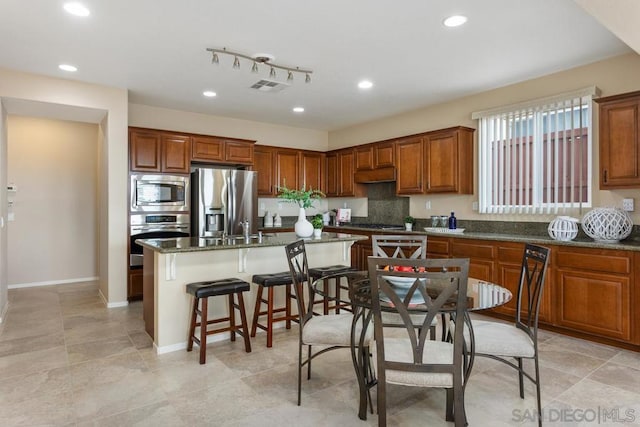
535	157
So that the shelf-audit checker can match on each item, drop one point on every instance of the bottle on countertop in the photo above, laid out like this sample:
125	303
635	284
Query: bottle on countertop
453	222
277	220
268	219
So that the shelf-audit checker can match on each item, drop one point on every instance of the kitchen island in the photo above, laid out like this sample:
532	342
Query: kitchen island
169	264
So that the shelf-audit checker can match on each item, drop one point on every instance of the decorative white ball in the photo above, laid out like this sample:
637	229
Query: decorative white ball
607	225
563	228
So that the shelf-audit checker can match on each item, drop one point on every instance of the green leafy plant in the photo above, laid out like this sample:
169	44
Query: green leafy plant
317	222
304	198
409	219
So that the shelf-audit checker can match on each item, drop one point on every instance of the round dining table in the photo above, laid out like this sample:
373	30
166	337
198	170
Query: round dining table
481	295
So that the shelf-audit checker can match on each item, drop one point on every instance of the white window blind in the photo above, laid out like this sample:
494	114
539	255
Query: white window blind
535	157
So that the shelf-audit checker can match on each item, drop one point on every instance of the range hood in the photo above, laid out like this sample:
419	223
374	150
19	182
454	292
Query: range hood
387	174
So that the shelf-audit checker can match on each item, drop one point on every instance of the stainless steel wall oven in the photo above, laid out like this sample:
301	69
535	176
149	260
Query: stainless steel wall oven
155	226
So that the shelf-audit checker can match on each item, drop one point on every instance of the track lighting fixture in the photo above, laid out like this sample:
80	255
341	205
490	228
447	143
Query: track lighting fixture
259	58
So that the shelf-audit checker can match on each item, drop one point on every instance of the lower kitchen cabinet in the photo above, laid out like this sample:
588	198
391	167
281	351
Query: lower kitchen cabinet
481	254
594	292
134	286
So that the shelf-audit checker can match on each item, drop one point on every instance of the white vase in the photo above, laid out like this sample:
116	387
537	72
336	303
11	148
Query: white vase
303	227
317	233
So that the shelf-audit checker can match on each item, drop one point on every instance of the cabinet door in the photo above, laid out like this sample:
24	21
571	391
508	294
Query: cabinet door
287	169
332	175
176	153
449	161
481	256
383	154
134	288
620	143
346	185
312	166
238	152
508	275
207	149
593	291
364	158
145	149
263	163
410	166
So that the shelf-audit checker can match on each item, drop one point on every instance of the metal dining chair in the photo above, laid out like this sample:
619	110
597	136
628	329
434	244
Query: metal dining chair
330	331
519	340
412	359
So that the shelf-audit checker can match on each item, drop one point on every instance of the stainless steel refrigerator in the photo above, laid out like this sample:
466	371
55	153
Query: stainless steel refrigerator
222	199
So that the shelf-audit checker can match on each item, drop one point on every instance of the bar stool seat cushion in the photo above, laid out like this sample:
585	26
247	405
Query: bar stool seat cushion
212	288
274	279
318	272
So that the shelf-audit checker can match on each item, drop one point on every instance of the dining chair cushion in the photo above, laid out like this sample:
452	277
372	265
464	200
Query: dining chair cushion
333	329
393	319
501	339
435	352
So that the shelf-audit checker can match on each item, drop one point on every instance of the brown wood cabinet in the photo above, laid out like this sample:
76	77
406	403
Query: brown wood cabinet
312	170
449	161
157	151
340	172
410	165
383	154
620	141
134	285
263	163
593	291
214	149
481	254
364	157
287	168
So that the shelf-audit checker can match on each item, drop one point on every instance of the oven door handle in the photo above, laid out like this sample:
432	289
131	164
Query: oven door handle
146	229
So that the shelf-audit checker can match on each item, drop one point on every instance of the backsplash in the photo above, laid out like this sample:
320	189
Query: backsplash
384	206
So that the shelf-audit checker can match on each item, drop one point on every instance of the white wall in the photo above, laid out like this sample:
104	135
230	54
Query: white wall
3	213
113	164
53	237
613	76
262	133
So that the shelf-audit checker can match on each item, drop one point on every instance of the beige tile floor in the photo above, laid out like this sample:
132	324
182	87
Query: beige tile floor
65	359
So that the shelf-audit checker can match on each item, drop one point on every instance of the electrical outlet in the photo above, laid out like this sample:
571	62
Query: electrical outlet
427	205
627	205
474	206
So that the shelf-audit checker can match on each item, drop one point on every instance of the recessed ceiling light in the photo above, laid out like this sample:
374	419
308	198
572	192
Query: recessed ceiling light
455	21
77	9
298	109
365	84
67	67
209	93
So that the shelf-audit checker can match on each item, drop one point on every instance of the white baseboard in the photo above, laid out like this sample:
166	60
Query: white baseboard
112	304
52	282
183	345
3	311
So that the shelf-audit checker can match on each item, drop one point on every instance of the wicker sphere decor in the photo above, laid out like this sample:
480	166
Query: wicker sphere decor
563	228
607	225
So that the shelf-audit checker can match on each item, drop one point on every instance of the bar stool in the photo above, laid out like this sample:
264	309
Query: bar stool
320	272
270	281
212	288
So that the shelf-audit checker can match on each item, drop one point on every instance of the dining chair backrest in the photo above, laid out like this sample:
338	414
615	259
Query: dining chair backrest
400	246
530	287
299	268
436	286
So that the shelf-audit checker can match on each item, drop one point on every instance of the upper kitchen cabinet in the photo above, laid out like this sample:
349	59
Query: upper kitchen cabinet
448	161
364	157
312	170
263	161
213	149
155	151
340	174
620	141
287	168
410	161
374	156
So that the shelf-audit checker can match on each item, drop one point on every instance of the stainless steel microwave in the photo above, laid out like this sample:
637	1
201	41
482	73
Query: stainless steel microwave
159	193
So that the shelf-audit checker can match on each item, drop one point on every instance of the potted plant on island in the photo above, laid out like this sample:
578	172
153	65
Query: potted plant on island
317	223
408	222
304	199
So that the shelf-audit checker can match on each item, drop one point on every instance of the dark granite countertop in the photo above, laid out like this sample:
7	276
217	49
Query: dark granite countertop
194	244
632	243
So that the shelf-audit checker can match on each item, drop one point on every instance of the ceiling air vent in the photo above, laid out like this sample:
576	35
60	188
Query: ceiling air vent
265	85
